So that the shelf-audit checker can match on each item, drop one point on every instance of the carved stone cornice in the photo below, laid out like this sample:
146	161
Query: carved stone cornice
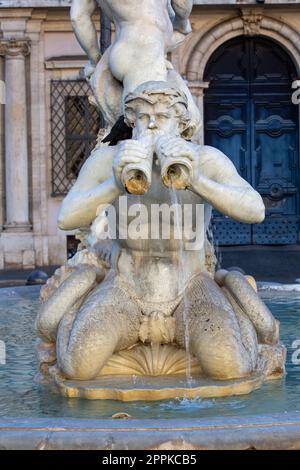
14	47
252	21
197	88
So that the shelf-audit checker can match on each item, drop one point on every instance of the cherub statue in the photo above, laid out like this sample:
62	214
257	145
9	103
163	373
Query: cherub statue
94	314
145	31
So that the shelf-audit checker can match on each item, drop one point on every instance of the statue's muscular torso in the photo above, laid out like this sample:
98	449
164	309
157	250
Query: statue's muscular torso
156	280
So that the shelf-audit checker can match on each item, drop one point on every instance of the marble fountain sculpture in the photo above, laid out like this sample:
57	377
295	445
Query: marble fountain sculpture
151	318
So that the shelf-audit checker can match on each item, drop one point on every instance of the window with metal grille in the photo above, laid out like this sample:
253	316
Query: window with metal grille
74	127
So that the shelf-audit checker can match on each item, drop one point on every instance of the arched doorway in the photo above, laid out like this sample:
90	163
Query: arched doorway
249	115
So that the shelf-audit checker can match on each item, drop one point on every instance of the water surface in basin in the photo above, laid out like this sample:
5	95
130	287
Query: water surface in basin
20	396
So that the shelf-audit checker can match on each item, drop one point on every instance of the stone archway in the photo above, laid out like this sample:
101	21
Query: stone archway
251	23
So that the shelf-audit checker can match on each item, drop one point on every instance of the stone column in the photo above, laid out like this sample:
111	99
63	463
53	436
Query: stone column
197	89
16	143
2	107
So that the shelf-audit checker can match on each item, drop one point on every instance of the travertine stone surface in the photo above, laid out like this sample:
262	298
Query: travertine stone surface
118	382
276	431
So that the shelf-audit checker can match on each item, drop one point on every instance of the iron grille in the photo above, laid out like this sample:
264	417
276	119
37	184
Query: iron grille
74	127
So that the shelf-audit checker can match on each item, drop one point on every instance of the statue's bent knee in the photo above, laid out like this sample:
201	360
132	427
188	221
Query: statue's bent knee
107	322
74	288
222	358
215	334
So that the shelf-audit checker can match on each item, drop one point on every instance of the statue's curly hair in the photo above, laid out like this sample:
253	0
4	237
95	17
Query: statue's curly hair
155	92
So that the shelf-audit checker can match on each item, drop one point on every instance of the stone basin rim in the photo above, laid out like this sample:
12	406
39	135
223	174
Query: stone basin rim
275	431
97	390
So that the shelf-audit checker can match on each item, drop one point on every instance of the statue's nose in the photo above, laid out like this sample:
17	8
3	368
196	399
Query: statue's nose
152	123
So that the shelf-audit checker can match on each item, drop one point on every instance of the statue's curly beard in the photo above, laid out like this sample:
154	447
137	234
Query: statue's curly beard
152	134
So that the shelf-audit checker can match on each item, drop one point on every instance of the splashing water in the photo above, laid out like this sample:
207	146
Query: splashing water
176	201
211	236
143	249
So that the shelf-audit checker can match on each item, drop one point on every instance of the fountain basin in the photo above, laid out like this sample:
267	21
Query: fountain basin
33	415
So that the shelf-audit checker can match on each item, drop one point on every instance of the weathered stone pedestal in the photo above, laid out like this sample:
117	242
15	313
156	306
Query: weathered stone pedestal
112	384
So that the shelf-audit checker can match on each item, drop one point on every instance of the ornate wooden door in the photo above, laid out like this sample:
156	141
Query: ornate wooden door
249	115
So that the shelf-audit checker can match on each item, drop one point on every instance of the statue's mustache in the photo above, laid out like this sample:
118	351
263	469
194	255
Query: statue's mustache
150	134
149	137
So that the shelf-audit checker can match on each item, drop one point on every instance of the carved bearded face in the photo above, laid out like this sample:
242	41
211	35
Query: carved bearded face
147	118
156	114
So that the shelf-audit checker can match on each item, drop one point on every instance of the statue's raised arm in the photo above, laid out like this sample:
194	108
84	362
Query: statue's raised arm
85	31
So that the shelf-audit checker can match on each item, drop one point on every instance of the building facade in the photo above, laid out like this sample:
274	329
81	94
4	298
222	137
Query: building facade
240	63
